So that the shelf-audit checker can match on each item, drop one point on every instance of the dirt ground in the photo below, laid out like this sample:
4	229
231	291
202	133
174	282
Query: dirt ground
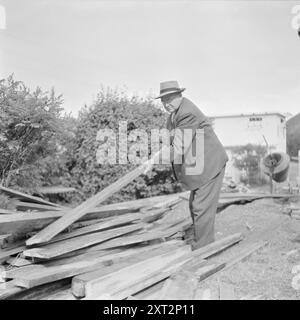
267	273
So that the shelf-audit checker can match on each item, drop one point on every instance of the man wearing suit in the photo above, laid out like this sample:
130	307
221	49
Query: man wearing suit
205	182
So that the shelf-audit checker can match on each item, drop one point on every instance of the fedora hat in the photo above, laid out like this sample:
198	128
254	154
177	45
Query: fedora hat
168	87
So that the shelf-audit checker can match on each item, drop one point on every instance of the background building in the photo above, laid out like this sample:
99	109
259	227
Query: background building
237	130
244	129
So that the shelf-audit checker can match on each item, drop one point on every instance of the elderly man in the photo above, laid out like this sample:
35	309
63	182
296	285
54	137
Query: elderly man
205	182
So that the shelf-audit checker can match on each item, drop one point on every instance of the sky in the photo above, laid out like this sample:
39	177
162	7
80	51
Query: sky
231	56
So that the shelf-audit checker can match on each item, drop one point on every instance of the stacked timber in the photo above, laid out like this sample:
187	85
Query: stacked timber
114	251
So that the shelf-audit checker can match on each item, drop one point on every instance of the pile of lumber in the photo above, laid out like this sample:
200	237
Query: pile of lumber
115	251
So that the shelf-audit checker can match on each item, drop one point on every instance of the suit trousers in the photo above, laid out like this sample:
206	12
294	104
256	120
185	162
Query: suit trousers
203	207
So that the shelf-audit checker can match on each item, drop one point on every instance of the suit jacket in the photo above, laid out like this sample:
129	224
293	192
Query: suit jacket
188	116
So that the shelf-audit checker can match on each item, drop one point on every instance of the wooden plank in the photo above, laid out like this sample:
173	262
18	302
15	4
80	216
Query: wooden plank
246	253
149	281
18	293
181	221
27	206
200	254
75	214
238	258
9	289
136	205
19	262
166	203
131	298
22	223
5	211
152	215
2	274
94	251
17	220
180	286
55	190
78	282
239	195
119	221
183	284
5	254
152	292
218	246
113	222
206	271
34	278
204	252
51	272
81	224
76	254
27	197
60	295
142	237
62	247
95	288
117	284
19	272
54	265
146	282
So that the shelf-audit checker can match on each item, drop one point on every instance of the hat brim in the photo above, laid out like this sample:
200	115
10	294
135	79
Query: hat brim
170	92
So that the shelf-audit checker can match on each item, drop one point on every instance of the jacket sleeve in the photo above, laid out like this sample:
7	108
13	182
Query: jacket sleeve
186	121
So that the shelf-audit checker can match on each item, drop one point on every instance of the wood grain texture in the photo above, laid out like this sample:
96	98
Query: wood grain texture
27	197
65	246
134	278
75	214
35	275
147	273
180	286
149	235
146	252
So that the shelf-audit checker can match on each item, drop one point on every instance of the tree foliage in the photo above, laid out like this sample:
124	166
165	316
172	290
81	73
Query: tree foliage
30	123
42	146
89	176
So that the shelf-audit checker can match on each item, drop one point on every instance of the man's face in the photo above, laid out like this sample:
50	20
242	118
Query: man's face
166	101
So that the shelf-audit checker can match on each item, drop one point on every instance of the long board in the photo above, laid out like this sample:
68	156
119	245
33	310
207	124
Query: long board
27	197
35	275
57	249
75	214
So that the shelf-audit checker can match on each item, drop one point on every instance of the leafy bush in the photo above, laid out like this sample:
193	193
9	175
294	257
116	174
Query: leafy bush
41	146
107	111
29	126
